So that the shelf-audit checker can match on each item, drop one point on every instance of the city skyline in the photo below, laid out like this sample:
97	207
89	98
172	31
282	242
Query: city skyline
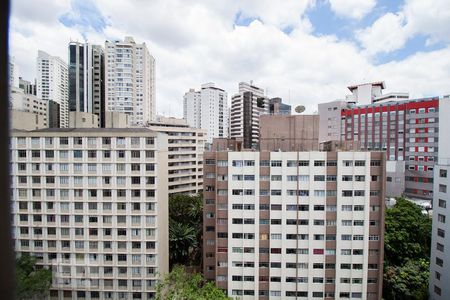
281	49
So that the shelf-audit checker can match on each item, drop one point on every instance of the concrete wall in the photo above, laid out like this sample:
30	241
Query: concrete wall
289	133
395	178
26	120
83	120
116	120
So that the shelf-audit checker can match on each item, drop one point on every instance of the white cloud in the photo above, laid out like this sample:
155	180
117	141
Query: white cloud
197	42
354	9
385	35
391	31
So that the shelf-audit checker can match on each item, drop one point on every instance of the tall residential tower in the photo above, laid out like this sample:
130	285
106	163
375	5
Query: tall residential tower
130	80
207	109
52	86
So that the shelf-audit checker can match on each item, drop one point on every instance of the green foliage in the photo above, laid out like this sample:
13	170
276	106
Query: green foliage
408	233
179	285
408	281
407	252
185	229
31	281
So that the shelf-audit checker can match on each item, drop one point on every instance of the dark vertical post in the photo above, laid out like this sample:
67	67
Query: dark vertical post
7	282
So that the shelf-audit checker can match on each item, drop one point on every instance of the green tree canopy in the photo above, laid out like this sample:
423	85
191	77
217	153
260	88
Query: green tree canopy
185	229
407	252
179	285
32	281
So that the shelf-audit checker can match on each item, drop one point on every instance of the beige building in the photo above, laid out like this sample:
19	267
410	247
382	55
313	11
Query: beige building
23	120
21	101
78	119
91	204
294	225
185	149
289	133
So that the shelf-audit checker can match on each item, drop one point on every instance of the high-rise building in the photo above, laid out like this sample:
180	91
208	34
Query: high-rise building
277	107
13	73
91	205
207	109
86	85
130	80
440	236
284	225
52	85
407	130
185	149
246	108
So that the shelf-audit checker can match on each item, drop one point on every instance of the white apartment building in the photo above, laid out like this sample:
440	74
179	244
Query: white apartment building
130	80
439	288
91	205
330	120
207	109
294	225
246	107
13	72
185	149
52	85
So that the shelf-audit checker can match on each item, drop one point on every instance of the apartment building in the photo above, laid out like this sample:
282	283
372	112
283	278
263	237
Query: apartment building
185	149
130	80
246	107
440	236
207	109
330	120
86	85
52	86
406	130
21	101
277	107
91	205
290	225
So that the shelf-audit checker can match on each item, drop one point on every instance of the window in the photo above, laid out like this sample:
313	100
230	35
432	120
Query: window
276	163
319	163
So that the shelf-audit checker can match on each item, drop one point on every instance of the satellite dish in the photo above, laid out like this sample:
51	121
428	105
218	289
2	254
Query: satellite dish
299	109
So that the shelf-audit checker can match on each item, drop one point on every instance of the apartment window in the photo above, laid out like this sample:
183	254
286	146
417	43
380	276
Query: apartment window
319	163
442	203
441	232
441	218
442	188
276	163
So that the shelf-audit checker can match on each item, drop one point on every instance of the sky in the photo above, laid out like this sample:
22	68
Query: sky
305	51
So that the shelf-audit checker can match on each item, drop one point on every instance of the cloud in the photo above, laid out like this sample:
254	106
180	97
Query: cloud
354	9
391	31
386	34
85	16
198	42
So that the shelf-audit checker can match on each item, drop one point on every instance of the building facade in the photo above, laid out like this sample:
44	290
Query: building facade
86	85
330	120
20	101
440	236
207	109
289	225
130	80
91	205
289	133
406	130
185	149
277	107
246	108
52	85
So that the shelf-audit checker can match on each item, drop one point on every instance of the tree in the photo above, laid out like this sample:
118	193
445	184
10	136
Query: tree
32	282
407	251
185	229
179	285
